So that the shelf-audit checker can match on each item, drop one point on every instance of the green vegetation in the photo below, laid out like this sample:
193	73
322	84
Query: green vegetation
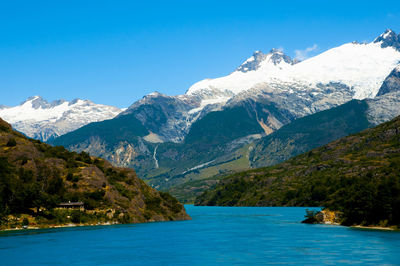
121	128
307	133
11	143
358	176
35	177
297	137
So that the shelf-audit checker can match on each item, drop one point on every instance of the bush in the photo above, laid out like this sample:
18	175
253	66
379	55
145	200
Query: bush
153	203
84	157
11	142
311	217
171	202
76	217
25	221
70	176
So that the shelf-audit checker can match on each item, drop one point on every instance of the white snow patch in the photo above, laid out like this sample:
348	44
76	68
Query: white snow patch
198	166
153	138
205	102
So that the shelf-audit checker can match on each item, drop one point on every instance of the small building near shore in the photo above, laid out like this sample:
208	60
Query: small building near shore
72	205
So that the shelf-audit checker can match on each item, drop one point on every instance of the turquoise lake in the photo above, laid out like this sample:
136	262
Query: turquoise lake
216	235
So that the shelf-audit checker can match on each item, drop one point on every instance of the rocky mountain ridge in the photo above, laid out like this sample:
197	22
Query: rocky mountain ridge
42	120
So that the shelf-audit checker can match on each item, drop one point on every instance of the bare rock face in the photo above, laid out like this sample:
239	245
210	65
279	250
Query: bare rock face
391	83
389	39
383	108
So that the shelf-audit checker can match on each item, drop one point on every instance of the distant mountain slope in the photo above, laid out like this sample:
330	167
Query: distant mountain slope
42	120
357	175
310	132
299	136
35	177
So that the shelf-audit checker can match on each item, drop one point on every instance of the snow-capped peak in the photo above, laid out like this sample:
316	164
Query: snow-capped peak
252	63
275	57
155	94
385	35
255	69
389	39
39	102
38	118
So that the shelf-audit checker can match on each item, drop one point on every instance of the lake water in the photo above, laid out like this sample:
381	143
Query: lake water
216	235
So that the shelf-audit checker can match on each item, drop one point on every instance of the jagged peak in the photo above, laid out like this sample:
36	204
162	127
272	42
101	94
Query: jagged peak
253	62
275	56
388	33
278	55
32	98
78	101
155	94
147	99
389	39
39	102
75	101
36	102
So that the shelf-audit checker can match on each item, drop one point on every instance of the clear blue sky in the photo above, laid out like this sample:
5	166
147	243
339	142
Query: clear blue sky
115	52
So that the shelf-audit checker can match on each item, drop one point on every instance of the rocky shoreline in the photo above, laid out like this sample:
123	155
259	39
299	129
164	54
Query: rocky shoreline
55	226
335	218
75	225
375	228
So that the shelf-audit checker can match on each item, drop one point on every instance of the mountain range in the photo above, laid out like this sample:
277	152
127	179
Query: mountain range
42	120
269	103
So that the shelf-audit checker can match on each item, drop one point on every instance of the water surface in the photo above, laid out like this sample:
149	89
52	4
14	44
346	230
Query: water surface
216	235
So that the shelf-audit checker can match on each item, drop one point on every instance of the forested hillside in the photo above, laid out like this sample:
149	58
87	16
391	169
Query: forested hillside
358	175
36	177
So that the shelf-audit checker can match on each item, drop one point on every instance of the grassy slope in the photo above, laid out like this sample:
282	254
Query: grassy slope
358	175
35	177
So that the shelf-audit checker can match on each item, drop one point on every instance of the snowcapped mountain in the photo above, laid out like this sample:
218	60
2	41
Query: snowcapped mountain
258	68
360	66
42	120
